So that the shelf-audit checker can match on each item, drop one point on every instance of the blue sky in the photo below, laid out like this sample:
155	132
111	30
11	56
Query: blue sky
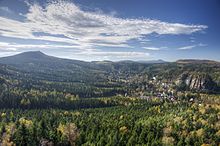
112	30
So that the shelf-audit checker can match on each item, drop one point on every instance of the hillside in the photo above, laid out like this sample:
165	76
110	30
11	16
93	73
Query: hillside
102	78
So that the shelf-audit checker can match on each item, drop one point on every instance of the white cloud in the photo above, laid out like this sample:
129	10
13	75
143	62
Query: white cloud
187	47
4	54
6	47
152	48
125	54
89	54
100	55
86	28
191	46
14	47
202	45
85	31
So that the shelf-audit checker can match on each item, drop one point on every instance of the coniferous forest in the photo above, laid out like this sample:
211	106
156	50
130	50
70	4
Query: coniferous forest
49	101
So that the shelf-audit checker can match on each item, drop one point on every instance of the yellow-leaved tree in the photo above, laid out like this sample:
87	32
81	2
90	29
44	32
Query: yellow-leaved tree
70	131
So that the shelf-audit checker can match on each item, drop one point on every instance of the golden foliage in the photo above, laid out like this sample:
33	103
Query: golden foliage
77	113
6	137
200	132
167	131
205	145
218	133
123	129
69	131
26	122
177	120
168	141
3	115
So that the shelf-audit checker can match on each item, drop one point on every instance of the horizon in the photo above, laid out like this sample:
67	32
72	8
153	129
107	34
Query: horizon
108	30
165	61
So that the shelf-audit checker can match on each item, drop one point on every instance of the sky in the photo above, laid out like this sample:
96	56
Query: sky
112	29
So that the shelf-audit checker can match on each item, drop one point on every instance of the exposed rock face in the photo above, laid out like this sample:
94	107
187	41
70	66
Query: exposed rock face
200	82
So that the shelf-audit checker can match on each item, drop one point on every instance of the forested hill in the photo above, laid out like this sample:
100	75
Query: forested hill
103	78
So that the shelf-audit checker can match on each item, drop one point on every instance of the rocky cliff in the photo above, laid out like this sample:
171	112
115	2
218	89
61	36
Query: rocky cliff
196	81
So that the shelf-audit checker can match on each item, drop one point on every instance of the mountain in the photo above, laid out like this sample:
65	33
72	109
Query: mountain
26	57
42	66
39	62
37	58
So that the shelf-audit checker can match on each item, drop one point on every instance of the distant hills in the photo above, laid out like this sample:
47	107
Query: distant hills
38	56
33	56
190	74
196	61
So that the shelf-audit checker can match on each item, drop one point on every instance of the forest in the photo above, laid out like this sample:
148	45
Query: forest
116	121
49	101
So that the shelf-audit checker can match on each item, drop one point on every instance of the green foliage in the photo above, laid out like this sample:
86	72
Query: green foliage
143	124
52	101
